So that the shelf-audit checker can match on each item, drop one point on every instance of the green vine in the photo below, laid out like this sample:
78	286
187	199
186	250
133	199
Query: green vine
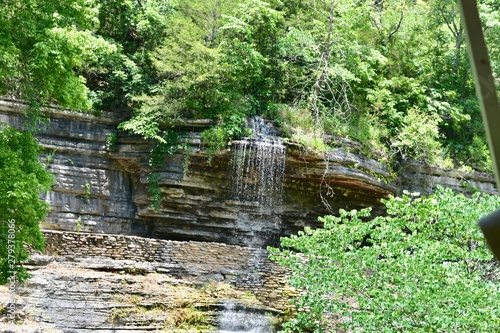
169	146
87	192
154	190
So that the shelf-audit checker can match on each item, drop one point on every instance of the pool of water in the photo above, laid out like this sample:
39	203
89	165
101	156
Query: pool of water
234	319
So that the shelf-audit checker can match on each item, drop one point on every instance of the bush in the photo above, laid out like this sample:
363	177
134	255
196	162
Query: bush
418	137
422	268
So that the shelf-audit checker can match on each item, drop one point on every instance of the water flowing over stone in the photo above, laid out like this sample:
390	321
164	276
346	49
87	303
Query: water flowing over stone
234	319
258	165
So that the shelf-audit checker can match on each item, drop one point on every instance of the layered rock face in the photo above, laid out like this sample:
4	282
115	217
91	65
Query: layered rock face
113	283
109	247
104	189
101	184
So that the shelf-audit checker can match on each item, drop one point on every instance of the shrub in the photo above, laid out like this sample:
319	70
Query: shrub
422	268
418	137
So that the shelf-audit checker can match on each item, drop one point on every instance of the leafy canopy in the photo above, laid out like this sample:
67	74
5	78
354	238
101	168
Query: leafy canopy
422	268
43	46
364	70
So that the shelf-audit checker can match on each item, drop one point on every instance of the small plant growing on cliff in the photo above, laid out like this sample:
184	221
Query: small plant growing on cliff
187	319
118	314
50	157
87	192
154	190
111	141
187	159
79	224
423	268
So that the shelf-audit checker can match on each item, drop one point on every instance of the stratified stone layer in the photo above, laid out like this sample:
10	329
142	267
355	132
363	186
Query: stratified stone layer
103	189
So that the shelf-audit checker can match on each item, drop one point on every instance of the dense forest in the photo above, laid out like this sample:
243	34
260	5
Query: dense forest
392	74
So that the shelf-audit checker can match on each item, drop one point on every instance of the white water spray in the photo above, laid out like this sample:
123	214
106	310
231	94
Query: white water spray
234	320
259	165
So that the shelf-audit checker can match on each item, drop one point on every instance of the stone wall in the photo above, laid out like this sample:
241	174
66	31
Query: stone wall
246	268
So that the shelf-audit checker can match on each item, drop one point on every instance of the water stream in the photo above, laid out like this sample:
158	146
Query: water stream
259	165
257	175
238	320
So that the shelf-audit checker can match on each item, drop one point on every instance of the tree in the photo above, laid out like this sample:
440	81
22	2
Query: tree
22	179
322	56
215	61
137	28
43	45
423	268
363	70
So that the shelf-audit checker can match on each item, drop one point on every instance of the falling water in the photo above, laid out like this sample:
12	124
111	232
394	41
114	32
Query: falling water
258	168
234	320
259	165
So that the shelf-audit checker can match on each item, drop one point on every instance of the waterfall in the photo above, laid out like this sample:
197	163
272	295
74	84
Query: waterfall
259	165
238	320
257	175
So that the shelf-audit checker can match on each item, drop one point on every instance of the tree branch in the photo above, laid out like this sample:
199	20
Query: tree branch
398	26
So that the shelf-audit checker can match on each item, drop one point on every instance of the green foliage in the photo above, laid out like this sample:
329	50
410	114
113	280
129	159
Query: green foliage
87	192
479	154
111	141
362	70
418	137
137	27
421	268
78	227
228	128
168	146
223	72
44	44
22	179
154	190
50	157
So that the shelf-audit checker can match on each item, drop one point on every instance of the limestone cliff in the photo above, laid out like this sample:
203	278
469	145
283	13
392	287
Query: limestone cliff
103	189
108	246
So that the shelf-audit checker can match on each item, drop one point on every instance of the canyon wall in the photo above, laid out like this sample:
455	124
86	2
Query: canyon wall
107	246
101	184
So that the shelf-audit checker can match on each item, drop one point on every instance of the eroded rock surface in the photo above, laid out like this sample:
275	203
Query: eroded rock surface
101	184
64	297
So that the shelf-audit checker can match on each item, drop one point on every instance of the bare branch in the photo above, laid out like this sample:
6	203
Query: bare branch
452	27
393	32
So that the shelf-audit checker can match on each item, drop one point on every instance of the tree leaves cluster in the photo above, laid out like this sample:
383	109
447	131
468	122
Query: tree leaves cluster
422	268
22	178
366	70
44	45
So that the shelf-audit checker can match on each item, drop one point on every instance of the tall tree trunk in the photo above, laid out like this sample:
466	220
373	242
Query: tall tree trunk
324	63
